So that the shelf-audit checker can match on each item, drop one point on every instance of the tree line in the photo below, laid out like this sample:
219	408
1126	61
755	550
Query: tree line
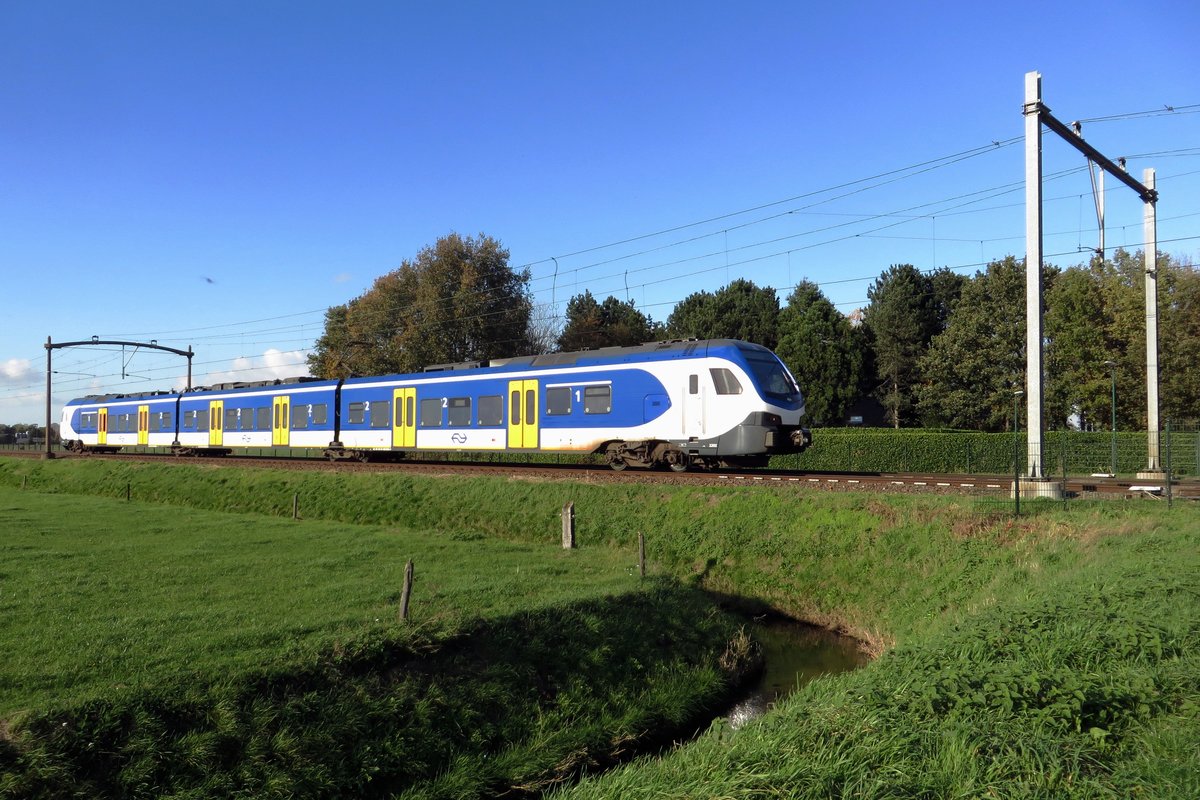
935	349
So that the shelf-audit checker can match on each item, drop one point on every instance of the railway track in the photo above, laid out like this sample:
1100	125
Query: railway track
982	485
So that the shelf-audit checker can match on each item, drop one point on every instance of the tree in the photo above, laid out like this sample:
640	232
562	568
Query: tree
971	369
1077	330
1179	341
946	288
456	301
740	310
611	323
823	351
902	317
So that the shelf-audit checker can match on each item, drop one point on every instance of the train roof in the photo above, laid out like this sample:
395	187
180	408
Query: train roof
650	351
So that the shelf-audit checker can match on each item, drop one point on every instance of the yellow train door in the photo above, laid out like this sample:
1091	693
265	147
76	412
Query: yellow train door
280	420
143	424
404	423
216	422
523	414
102	426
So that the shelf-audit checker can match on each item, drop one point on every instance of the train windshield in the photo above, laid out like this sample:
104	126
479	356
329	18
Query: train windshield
772	377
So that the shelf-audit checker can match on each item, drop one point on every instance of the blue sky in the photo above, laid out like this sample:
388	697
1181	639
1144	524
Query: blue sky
217	174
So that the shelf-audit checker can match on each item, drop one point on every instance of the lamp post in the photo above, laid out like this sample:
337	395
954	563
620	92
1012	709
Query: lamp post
1112	368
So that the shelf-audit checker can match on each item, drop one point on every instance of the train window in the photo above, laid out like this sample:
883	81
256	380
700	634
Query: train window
491	410
247	418
514	413
693	384
399	415
381	414
262	418
725	381
530	407
201	419
410	410
231	419
168	421
299	417
357	413
320	413
597	399
460	412
431	412
558	401
771	376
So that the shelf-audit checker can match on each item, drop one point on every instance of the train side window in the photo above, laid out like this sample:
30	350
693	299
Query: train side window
530	407
247	419
399	422
431	412
357	413
231	419
597	399
558	401
693	384
320	413
262	419
299	417
491	410
514	411
410	406
168	421
201	419
460	412
381	414
725	381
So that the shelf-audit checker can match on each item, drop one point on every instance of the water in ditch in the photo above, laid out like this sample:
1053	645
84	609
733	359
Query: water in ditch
794	654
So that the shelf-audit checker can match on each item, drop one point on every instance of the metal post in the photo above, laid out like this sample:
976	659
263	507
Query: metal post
49	373
1033	271
1153	468
1168	473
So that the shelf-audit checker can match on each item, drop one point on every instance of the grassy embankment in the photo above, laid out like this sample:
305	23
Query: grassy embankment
1054	657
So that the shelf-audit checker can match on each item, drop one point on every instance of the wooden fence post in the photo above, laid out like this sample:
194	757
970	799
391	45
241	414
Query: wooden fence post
128	491
296	505
568	526
406	592
641	554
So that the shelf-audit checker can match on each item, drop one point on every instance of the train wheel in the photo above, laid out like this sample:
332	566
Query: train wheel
676	460
615	457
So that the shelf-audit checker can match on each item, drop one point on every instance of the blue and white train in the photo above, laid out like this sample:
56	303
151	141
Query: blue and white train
676	404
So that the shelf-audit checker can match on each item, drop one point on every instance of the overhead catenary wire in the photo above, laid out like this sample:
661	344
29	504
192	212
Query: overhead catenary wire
859	186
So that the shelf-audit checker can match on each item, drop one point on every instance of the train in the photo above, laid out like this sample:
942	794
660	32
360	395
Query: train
676	404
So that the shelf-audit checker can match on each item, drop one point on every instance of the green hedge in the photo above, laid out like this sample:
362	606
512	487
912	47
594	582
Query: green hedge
970	452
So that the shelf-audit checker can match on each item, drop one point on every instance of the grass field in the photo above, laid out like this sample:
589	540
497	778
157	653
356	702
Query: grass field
176	650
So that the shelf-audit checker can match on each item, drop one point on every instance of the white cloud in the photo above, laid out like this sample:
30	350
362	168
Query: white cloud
271	365
342	277
16	370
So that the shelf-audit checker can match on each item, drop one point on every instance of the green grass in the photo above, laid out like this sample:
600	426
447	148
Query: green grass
153	650
1051	656
1079	683
125	594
